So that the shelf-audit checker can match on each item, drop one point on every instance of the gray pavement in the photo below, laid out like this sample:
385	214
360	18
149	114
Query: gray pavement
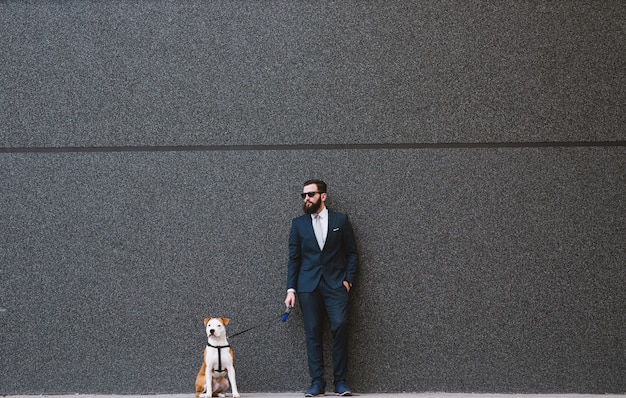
368	395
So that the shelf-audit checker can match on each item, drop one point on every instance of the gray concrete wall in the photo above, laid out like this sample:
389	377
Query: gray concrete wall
151	155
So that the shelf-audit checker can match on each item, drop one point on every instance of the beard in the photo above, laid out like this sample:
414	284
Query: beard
313	207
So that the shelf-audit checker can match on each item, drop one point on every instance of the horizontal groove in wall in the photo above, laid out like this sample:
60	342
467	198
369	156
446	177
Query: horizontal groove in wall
288	147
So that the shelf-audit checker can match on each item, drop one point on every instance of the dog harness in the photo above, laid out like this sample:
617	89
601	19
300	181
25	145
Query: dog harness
219	358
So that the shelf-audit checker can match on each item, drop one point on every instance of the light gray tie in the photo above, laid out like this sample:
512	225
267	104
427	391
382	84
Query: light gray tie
317	227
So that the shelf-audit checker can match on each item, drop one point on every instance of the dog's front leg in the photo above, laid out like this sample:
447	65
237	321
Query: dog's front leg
233	381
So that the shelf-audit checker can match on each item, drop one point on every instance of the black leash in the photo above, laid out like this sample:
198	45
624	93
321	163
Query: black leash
283	317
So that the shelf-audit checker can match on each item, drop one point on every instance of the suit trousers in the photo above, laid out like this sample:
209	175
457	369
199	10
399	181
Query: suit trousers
323	301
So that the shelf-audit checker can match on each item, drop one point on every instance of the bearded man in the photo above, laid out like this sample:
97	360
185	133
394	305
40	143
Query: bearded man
321	269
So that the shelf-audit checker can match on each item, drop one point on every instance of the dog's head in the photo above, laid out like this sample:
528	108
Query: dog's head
216	327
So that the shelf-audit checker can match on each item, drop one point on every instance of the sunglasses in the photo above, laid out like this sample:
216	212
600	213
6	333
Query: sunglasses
309	194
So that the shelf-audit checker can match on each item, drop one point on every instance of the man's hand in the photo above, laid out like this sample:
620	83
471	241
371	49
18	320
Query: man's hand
346	284
290	300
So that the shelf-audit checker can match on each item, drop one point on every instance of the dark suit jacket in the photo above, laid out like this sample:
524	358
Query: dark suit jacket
307	263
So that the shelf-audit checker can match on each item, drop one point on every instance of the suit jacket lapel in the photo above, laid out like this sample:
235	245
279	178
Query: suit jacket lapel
331	226
308	226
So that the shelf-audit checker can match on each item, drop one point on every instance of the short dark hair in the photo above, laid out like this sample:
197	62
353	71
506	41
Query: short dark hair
321	185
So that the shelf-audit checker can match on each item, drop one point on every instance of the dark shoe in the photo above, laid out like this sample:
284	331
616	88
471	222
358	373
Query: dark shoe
342	389
315	390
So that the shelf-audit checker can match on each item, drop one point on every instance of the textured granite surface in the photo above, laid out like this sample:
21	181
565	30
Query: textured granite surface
94	73
488	269
485	270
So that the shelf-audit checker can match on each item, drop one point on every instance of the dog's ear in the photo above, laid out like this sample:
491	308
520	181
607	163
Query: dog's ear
225	321
206	320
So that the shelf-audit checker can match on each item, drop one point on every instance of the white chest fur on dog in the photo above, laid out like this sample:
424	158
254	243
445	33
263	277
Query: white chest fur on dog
218	362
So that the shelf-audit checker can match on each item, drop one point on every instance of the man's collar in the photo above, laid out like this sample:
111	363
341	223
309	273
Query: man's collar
322	214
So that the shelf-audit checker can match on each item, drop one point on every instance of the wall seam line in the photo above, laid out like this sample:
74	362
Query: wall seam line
287	147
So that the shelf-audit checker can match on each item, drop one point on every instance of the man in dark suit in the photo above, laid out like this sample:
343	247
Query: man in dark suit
322	265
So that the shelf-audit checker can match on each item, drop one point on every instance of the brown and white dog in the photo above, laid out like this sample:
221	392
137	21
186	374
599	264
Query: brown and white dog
218	362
